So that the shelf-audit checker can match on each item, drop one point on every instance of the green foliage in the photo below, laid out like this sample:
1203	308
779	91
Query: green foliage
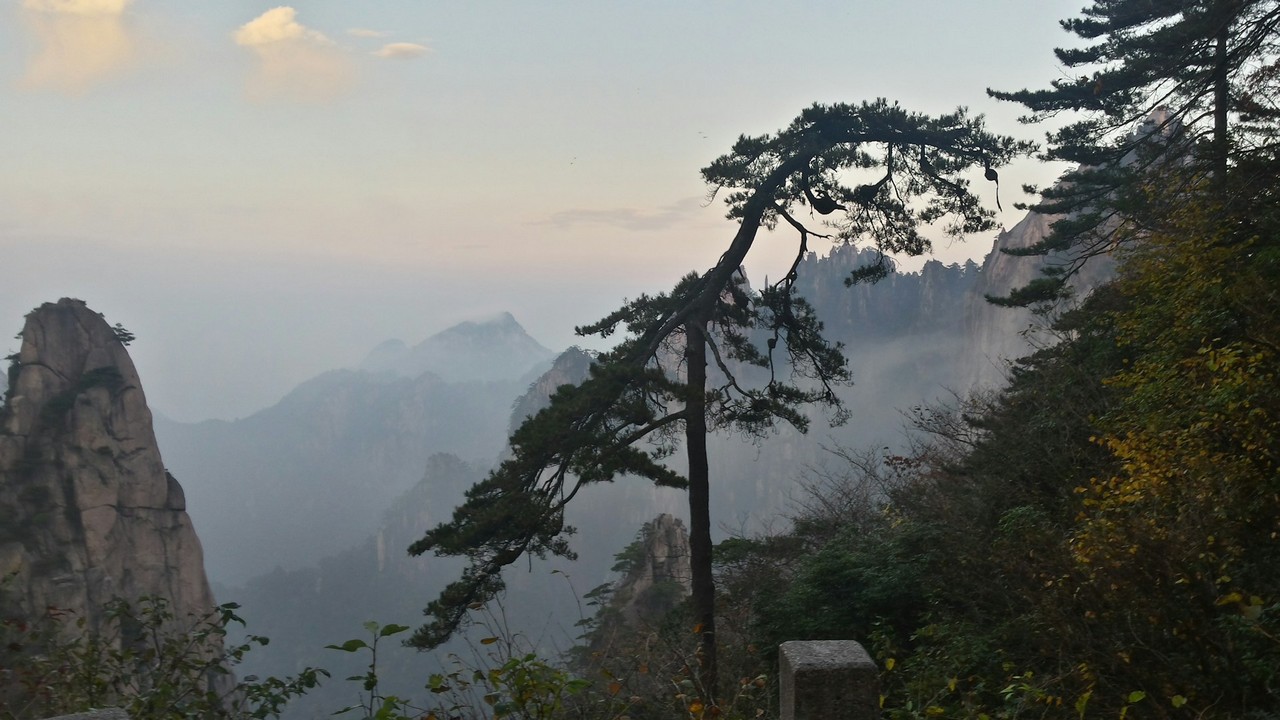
1098	540
1191	512
373	705
631	557
507	681
145	661
1165	95
124	336
652	670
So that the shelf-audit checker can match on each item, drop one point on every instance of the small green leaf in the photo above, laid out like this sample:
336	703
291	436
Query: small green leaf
392	629
348	646
1136	696
1082	702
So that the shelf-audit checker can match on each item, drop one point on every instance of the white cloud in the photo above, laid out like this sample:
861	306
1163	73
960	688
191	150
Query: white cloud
294	62
79	42
277	25
402	50
365	33
77	7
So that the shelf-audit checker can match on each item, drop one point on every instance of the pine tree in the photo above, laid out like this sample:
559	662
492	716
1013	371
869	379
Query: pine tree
653	391
1170	95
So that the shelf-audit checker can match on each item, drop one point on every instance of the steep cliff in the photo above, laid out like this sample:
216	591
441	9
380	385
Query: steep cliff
87	510
656	571
570	368
995	335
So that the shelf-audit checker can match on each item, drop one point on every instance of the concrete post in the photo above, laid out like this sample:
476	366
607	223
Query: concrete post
827	680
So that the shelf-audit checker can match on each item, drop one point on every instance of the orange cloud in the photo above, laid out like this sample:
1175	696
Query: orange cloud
79	42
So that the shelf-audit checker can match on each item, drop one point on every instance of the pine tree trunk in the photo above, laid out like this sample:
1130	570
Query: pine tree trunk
704	591
1221	103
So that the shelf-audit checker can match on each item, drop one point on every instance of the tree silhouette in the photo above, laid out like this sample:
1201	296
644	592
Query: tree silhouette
653	391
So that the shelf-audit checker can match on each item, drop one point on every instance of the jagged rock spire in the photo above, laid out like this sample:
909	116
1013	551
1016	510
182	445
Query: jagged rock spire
87	510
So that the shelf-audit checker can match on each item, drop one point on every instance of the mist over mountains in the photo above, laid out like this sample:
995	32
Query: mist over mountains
305	508
312	474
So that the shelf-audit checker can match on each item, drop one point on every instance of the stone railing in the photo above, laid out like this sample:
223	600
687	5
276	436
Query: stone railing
827	680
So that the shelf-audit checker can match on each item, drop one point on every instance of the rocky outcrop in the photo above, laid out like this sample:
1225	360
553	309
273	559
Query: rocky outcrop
657	574
996	335
87	510
570	368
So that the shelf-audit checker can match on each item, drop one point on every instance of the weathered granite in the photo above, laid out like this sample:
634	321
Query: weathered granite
87	510
827	680
661	577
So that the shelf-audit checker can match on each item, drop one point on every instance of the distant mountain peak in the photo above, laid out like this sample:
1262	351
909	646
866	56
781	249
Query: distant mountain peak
485	349
502	319
503	322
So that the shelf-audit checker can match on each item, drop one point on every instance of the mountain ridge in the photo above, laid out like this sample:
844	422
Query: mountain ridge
497	348
311	474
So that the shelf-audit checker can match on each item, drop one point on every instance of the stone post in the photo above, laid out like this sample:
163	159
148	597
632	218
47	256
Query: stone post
827	680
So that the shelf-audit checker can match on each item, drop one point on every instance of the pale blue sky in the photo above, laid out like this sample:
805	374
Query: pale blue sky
263	192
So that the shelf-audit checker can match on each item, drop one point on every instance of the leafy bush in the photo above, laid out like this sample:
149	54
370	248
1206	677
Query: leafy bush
147	662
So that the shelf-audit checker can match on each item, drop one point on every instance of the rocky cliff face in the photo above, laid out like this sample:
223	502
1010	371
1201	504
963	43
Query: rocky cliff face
87	510
994	335
570	368
658	575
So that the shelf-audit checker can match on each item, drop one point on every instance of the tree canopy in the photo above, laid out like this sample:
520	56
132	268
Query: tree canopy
1160	96
872	172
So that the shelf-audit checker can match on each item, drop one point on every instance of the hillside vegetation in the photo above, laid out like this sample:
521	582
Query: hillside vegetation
1100	539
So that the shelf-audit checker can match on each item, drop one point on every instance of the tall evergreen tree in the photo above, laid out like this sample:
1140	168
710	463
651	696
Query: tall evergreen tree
1172	91
653	390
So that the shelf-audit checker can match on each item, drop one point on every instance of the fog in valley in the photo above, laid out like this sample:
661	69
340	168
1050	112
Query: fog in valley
352	466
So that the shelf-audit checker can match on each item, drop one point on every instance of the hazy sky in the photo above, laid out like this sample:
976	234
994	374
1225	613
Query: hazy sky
261	193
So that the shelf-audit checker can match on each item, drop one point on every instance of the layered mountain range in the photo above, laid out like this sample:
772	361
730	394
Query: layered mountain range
312	475
306	507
